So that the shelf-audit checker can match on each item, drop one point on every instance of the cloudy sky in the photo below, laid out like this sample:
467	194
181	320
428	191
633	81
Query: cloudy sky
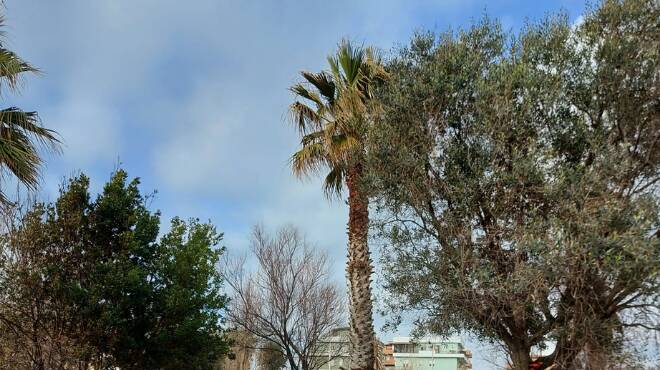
191	96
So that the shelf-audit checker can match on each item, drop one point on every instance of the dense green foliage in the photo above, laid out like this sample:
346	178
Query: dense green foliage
517	177
89	281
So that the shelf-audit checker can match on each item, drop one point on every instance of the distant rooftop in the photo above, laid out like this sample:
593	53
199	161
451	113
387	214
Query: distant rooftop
426	339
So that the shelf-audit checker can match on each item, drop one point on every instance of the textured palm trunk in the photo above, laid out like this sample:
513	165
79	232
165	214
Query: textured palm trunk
359	270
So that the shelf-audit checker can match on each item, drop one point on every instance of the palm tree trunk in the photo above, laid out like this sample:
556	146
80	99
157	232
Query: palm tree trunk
359	270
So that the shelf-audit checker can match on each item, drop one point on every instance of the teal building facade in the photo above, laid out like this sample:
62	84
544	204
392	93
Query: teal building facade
427	353
402	353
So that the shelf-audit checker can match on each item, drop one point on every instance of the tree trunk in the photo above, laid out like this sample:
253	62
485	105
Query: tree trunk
596	357
520	359
359	270
562	357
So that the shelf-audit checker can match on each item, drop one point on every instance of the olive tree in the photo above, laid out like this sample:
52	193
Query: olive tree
516	179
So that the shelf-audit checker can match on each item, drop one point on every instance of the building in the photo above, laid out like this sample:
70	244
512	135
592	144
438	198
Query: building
242	351
334	351
428	353
402	353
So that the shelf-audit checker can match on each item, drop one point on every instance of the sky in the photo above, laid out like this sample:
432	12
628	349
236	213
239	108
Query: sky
191	96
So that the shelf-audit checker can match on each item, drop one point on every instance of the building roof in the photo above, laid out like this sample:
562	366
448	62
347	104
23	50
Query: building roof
427	339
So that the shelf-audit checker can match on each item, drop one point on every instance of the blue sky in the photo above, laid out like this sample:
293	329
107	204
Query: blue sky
192	96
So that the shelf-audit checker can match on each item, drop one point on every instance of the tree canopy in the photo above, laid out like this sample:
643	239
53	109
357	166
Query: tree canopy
517	179
87	281
331	113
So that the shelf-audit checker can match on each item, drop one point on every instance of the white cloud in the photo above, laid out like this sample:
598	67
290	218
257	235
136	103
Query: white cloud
90	131
220	146
194	95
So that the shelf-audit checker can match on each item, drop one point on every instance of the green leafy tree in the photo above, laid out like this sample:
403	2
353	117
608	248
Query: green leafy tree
92	273
21	133
518	182
332	115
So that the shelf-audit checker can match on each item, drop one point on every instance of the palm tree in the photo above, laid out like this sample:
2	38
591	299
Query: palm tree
21	133
331	112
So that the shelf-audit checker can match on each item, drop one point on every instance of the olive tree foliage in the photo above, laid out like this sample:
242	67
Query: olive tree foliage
288	302
516	179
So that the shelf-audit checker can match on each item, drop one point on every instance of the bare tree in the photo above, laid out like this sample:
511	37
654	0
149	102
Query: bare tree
288	300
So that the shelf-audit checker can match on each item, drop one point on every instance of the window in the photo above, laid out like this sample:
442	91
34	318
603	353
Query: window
404	348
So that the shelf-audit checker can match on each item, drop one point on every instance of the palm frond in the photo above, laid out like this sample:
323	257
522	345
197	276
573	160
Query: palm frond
304	118
334	68
29	122
332	132
343	147
11	69
351	60
323	83
334	182
374	60
19	155
309	160
302	91
313	137
351	108
21	134
4	200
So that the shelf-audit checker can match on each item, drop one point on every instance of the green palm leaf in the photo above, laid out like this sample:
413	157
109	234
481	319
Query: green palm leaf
310	159
21	133
11	65
305	118
332	125
334	182
351	61
19	155
11	68
302	91
323	83
29	122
